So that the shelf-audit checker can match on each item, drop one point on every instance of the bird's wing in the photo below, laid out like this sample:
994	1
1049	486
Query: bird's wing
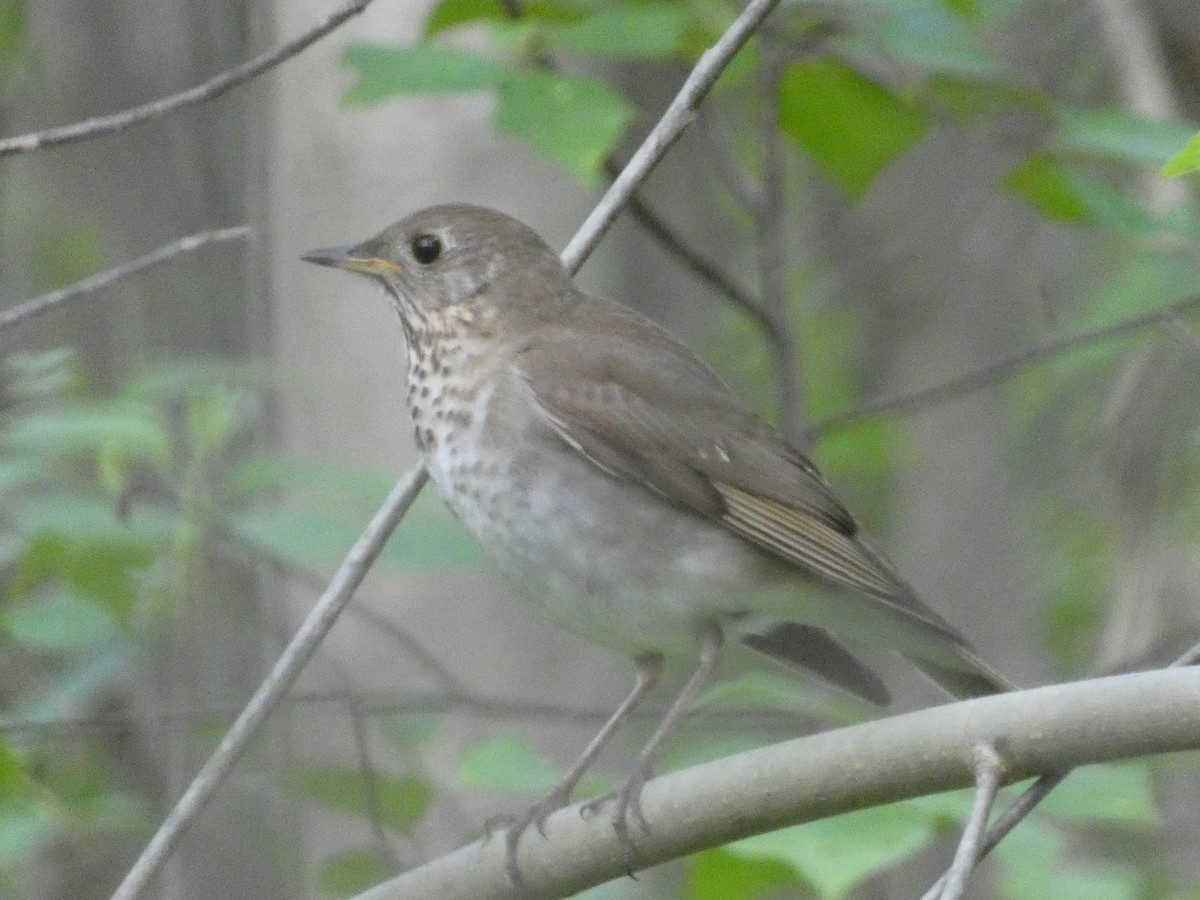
641	407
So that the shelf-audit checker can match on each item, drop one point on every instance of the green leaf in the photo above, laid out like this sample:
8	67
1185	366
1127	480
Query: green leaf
1186	160
1113	794
571	120
401	800
385	71
352	872
24	828
839	853
1119	135
506	763
411	731
933	40
1036	866
721	875
430	536
850	125
135	433
63	622
452	13
1043	182
641	31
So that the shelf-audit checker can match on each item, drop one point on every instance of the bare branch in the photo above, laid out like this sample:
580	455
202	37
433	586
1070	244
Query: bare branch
22	312
988	773
1045	729
214	87
914	401
664	134
772	262
273	688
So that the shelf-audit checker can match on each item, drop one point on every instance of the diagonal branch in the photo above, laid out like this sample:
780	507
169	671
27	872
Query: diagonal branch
287	669
664	134
1040	730
318	622
214	87
910	402
30	309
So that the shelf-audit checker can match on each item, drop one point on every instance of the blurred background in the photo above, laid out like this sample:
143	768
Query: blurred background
927	238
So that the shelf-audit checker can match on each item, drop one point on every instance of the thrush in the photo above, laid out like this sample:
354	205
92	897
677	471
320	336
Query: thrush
639	503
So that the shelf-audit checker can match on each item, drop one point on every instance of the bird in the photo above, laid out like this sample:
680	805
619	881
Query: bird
626	488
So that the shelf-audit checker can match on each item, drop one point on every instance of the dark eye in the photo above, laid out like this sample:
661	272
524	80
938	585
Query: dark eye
426	248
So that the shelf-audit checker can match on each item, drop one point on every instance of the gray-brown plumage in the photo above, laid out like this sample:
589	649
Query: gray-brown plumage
610	471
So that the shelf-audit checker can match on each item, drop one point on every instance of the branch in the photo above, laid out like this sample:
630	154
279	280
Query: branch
661	138
915	401
370	543
214	87
1040	730
22	312
285	672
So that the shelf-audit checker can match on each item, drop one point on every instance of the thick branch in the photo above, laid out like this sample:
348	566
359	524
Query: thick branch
214	87
1042	730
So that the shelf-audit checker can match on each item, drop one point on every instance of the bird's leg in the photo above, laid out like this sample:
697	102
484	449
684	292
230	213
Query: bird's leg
649	667
628	796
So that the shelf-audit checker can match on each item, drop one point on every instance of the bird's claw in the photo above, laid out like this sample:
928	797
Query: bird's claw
516	826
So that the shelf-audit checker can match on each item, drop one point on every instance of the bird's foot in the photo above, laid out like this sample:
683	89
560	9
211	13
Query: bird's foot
627	800
516	826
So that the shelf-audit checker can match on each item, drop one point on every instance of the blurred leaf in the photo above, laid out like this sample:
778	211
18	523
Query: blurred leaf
1119	135
402	801
1035	867
506	763
430	537
1112	794
1185	161
850	125
569	119
13	37
103	565
451	13
772	690
385	72
837	854
930	38
721	875
1043	182
352	872
62	622
652	30
76	430
24	828
967	98
68	256
34	376
411	731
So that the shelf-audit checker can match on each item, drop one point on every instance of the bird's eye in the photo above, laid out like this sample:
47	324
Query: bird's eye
426	248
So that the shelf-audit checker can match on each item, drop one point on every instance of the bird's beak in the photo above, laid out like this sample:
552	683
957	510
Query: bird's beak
350	257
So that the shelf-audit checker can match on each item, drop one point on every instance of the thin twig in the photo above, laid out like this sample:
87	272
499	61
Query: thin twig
309	636
214	87
664	134
914	401
989	770
367	771
772	263
696	262
1038	791
23	312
